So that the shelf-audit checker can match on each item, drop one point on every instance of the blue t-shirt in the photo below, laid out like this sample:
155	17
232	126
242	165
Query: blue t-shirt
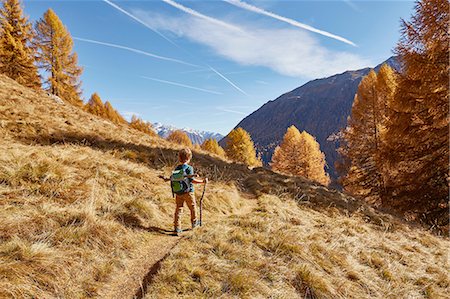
189	170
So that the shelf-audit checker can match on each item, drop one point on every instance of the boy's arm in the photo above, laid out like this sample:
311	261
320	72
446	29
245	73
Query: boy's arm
200	181
194	178
168	179
164	178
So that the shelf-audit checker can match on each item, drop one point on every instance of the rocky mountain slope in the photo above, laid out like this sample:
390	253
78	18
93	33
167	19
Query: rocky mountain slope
83	214
320	107
196	136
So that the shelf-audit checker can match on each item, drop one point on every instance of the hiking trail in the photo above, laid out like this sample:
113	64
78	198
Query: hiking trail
134	280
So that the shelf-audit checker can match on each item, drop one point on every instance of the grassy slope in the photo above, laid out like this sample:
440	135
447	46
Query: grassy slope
284	250
76	216
82	210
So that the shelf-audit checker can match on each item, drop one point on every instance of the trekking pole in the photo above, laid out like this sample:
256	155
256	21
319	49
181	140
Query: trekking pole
201	204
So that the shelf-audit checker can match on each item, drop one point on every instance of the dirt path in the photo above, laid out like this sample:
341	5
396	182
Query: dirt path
139	274
133	280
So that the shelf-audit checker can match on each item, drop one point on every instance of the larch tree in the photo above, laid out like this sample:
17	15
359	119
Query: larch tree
17	54
299	154
211	145
143	126
240	148
95	106
417	135
56	57
363	139
104	110
180	137
113	115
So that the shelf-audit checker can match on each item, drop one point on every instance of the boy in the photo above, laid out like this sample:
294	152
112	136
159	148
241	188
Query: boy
184	157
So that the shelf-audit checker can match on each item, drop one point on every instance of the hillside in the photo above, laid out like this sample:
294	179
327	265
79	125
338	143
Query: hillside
84	214
320	107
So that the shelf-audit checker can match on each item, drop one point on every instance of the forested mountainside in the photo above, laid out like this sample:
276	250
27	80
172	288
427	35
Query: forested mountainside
320	107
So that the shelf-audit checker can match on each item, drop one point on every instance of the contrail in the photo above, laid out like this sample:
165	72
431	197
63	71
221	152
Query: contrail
230	110
133	50
140	21
191	12
210	68
261	11
352	5
181	85
200	15
228	80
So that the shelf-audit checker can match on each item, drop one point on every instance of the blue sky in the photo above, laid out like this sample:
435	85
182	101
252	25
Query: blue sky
207	64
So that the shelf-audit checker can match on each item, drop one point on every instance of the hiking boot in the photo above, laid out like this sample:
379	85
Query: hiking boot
195	224
177	231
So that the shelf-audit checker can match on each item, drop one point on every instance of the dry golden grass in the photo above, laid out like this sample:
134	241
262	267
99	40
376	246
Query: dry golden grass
282	250
76	209
71	215
83	214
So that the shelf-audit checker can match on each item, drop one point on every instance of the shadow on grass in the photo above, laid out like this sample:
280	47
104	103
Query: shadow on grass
255	181
153	157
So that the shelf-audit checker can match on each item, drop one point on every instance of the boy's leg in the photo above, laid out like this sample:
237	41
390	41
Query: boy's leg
178	211
190	200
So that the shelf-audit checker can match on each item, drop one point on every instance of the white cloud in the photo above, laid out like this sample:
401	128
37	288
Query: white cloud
287	51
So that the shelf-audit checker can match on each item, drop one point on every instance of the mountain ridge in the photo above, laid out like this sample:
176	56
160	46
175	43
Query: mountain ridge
320	106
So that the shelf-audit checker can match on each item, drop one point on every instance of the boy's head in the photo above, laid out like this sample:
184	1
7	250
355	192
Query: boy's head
185	155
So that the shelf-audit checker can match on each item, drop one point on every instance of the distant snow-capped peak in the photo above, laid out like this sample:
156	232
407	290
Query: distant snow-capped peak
196	136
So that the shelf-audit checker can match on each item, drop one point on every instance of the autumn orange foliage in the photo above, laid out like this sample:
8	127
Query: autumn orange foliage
240	148
143	126
17	55
396	148
364	139
57	58
418	127
180	137
106	111
299	154
211	145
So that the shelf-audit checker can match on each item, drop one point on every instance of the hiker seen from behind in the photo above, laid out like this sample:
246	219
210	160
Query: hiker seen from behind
182	183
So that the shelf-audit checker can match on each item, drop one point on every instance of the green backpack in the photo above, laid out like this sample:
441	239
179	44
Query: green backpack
179	180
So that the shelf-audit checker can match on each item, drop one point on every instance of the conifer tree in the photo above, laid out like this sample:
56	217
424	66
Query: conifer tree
140	125
211	145
17	55
240	148
417	135
299	154
180	137
56	57
95	106
104	110
113	115
364	136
